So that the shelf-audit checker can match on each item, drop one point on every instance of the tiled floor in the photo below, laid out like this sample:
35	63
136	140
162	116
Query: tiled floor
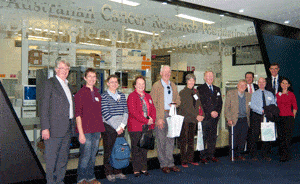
73	160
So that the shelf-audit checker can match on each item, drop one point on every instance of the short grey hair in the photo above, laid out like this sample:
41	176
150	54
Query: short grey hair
60	60
161	69
190	76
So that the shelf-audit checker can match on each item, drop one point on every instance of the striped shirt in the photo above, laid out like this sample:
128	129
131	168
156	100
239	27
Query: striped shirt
114	112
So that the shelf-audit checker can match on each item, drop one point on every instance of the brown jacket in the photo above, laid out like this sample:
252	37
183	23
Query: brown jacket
231	110
157	94
187	108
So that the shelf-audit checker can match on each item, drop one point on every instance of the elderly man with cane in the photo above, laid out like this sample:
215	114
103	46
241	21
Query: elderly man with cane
237	114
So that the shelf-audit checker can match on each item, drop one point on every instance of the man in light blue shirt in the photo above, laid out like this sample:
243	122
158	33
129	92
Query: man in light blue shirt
259	99
167	94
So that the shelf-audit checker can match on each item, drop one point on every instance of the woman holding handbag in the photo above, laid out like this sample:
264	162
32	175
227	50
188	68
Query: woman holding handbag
141	114
191	109
287	105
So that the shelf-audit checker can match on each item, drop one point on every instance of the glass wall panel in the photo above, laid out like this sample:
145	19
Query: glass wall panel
129	40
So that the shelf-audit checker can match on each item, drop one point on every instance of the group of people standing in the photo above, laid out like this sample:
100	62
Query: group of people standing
108	114
246	107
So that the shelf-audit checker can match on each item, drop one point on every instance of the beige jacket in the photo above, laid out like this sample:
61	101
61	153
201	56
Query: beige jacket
231	111
157	94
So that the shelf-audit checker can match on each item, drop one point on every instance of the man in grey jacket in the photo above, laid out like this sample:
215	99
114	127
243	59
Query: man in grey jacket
57	113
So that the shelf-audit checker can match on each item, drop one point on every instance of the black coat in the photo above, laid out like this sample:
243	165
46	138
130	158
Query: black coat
255	88
210	101
269	84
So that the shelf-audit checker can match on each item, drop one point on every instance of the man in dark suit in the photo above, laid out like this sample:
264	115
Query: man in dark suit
251	87
57	113
211	100
273	82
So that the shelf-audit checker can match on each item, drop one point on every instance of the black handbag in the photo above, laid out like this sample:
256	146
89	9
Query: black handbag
147	140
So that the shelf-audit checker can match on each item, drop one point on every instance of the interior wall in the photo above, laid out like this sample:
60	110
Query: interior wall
10	57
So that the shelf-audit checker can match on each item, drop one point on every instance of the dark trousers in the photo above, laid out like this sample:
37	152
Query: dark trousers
285	127
254	137
109	138
186	142
248	134
240	131
210	137
138	155
56	156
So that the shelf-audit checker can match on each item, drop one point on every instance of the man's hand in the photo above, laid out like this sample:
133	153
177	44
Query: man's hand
200	118
230	123
160	123
82	138
214	114
45	134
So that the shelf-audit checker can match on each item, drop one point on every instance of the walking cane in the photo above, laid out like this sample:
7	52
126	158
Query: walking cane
232	153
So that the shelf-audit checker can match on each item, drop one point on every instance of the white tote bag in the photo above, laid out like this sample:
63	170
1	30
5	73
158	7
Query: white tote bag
174	123
200	143
268	131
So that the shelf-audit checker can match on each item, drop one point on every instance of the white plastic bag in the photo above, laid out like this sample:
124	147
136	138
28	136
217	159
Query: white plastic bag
268	131
200	142
174	123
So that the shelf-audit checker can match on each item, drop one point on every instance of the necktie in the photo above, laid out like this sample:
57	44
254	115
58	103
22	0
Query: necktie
274	84
250	91
211	90
264	99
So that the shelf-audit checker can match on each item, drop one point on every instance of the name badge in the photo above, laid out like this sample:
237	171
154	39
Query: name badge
118	97
218	94
195	96
150	101
249	103
269	98
97	99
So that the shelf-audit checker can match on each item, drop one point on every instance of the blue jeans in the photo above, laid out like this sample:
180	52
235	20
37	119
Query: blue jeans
87	157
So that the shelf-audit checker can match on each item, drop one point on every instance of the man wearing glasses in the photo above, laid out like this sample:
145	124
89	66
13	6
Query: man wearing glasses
273	82
164	93
211	100
57	115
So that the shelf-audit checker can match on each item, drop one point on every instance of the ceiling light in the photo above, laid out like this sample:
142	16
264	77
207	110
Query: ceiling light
83	43
241	10
222	15
121	41
37	29
39	37
164	3
287	21
162	31
183	36
126	2
169	51
106	39
194	18
139	31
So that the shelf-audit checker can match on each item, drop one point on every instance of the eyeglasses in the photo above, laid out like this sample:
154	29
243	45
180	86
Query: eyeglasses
65	69
169	90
